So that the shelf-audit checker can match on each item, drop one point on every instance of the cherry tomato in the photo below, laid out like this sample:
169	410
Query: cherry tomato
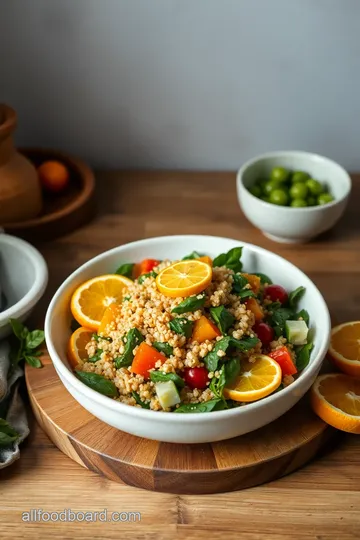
196	377
264	332
276	293
144	267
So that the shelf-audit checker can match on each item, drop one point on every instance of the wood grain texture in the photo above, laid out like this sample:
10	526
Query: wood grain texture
318	502
264	455
61	212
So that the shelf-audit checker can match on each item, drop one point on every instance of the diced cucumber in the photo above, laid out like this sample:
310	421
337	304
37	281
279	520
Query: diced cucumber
167	394
296	332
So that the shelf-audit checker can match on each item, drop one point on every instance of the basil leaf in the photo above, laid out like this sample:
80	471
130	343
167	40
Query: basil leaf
139	401
7	433
239	283
303	356
193	255
18	328
231	369
96	357
98	383
158	376
211	360
163	347
142	278
304	315
33	361
231	259
246	293
192	303
223	318
133	338
34	339
263	278
74	325
295	296
125	269
181	326
206	406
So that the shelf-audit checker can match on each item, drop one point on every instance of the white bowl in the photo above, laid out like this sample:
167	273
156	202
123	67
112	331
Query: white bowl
23	279
287	224
198	427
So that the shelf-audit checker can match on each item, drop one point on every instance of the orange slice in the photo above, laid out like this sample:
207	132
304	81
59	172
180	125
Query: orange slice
257	379
109	318
345	347
336	399
90	300
76	351
184	278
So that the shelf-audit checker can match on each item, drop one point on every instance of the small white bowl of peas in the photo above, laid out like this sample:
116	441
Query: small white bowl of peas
293	196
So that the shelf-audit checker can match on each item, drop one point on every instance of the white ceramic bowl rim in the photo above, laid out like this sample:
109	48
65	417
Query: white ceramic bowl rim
40	282
117	406
295	153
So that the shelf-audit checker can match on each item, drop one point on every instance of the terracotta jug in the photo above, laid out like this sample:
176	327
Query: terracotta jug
20	191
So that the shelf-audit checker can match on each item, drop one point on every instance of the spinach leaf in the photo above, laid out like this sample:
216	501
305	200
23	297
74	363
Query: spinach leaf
303	355
304	315
125	269
193	255
7	433
126	298
211	360
217	384
263	278
98	383
274	306
34	339
295	296
139	401
278	319
192	303
232	370
246	293
98	338
96	357
163	347
158	376
239	282
231	259
142	278
221	405
223	318
181	326
133	338
206	406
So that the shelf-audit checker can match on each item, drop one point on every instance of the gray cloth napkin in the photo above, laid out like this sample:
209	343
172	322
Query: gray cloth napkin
11	406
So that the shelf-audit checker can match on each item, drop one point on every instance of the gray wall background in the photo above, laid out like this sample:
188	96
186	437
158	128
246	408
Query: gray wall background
183	83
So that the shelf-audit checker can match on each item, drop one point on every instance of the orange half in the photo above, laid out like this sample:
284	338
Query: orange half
76	351
184	278
345	347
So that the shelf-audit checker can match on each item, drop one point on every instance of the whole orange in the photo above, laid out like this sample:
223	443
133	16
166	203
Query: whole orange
54	176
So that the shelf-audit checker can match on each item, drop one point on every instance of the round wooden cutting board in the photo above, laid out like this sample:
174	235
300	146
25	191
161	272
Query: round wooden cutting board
264	455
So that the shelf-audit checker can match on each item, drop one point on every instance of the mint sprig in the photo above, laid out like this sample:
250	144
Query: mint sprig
25	348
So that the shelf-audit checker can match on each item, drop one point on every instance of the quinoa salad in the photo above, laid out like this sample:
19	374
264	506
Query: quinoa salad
196	335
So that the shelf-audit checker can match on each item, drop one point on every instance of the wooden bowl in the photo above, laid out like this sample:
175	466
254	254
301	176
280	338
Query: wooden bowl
62	212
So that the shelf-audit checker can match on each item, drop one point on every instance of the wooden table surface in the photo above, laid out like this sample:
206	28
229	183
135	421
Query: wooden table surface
320	501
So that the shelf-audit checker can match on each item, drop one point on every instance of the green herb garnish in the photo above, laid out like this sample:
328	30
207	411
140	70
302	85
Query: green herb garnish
212	359
278	319
206	406
133	338
239	282
181	326
303	355
25	347
163	348
98	383
139	401
192	303
231	259
223	318
126	270
8	435
158	376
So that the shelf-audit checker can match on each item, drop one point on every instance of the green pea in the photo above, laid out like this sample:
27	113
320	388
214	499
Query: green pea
298	203
255	190
279	196
298	191
299	176
325	198
279	174
311	201
270	186
314	187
